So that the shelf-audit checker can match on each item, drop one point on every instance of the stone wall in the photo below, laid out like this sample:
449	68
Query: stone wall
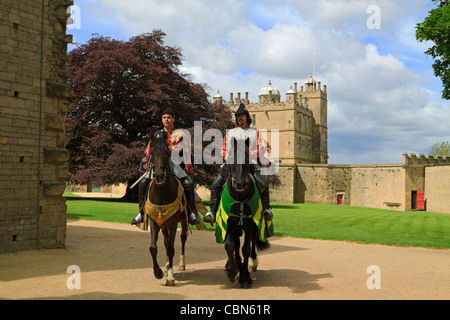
384	186
437	188
33	102
321	183
378	186
285	193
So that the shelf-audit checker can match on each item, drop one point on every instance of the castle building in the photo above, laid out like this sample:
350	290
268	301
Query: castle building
418	183
301	120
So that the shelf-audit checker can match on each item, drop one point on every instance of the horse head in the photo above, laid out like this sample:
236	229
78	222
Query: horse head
160	152
240	167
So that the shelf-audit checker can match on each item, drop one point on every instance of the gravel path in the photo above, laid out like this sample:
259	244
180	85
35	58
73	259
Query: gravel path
115	264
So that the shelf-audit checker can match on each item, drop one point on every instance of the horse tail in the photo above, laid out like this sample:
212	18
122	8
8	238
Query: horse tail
261	245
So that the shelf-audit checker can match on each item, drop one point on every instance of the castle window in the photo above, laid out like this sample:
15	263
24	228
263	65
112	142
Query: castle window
254	119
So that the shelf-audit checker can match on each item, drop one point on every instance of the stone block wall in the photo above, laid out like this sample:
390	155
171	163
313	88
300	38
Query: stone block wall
437	188
321	183
285	193
383	186
33	103
378	186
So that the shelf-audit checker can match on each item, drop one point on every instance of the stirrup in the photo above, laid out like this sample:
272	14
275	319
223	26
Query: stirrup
268	215
193	218
136	220
209	217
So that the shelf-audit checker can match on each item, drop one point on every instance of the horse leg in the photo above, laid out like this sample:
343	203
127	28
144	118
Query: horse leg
244	279
184	235
237	248
154	230
170	250
231	268
253	259
165	233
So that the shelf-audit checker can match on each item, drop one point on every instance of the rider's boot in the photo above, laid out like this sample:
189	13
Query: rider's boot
141	200
263	186
216	187
210	216
190	198
265	199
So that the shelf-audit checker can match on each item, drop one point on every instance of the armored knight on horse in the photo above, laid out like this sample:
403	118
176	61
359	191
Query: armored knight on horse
175	140
257	148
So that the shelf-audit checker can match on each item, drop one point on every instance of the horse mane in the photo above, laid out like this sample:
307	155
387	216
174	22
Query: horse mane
236	142
160	146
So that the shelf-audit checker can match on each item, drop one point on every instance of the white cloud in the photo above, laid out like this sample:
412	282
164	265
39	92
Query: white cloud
381	101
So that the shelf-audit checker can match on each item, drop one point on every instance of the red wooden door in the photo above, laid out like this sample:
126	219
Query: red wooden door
340	198
420	200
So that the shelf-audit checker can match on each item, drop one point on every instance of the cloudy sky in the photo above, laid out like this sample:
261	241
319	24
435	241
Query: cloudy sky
383	97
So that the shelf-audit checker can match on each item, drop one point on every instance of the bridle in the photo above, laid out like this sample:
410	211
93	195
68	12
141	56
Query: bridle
158	163
233	182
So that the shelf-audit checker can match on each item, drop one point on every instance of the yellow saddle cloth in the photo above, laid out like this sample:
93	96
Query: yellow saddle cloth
161	213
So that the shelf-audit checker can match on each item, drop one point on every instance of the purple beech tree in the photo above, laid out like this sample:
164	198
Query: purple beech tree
118	91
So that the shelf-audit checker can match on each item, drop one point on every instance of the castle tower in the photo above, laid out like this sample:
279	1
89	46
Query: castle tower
301	120
217	98
297	125
269	94
316	100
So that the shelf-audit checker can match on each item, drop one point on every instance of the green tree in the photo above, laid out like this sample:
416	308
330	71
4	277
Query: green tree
442	149
436	28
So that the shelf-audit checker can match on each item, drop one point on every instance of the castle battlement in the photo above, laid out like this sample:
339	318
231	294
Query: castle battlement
282	106
422	160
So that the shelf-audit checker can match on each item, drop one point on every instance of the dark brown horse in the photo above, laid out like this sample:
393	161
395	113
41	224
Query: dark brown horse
163	208
241	188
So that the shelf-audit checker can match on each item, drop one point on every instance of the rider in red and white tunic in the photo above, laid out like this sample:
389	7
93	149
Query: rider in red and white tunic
175	139
258	148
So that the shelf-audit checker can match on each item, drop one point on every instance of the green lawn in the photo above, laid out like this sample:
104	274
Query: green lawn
101	210
365	225
314	221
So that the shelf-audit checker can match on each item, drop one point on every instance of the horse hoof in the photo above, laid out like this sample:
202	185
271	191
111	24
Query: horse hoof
181	268
170	283
159	274
233	279
246	285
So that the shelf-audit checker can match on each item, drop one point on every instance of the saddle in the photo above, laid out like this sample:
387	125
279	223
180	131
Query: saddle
254	203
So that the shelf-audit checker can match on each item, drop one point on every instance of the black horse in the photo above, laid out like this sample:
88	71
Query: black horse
164	196
241	188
